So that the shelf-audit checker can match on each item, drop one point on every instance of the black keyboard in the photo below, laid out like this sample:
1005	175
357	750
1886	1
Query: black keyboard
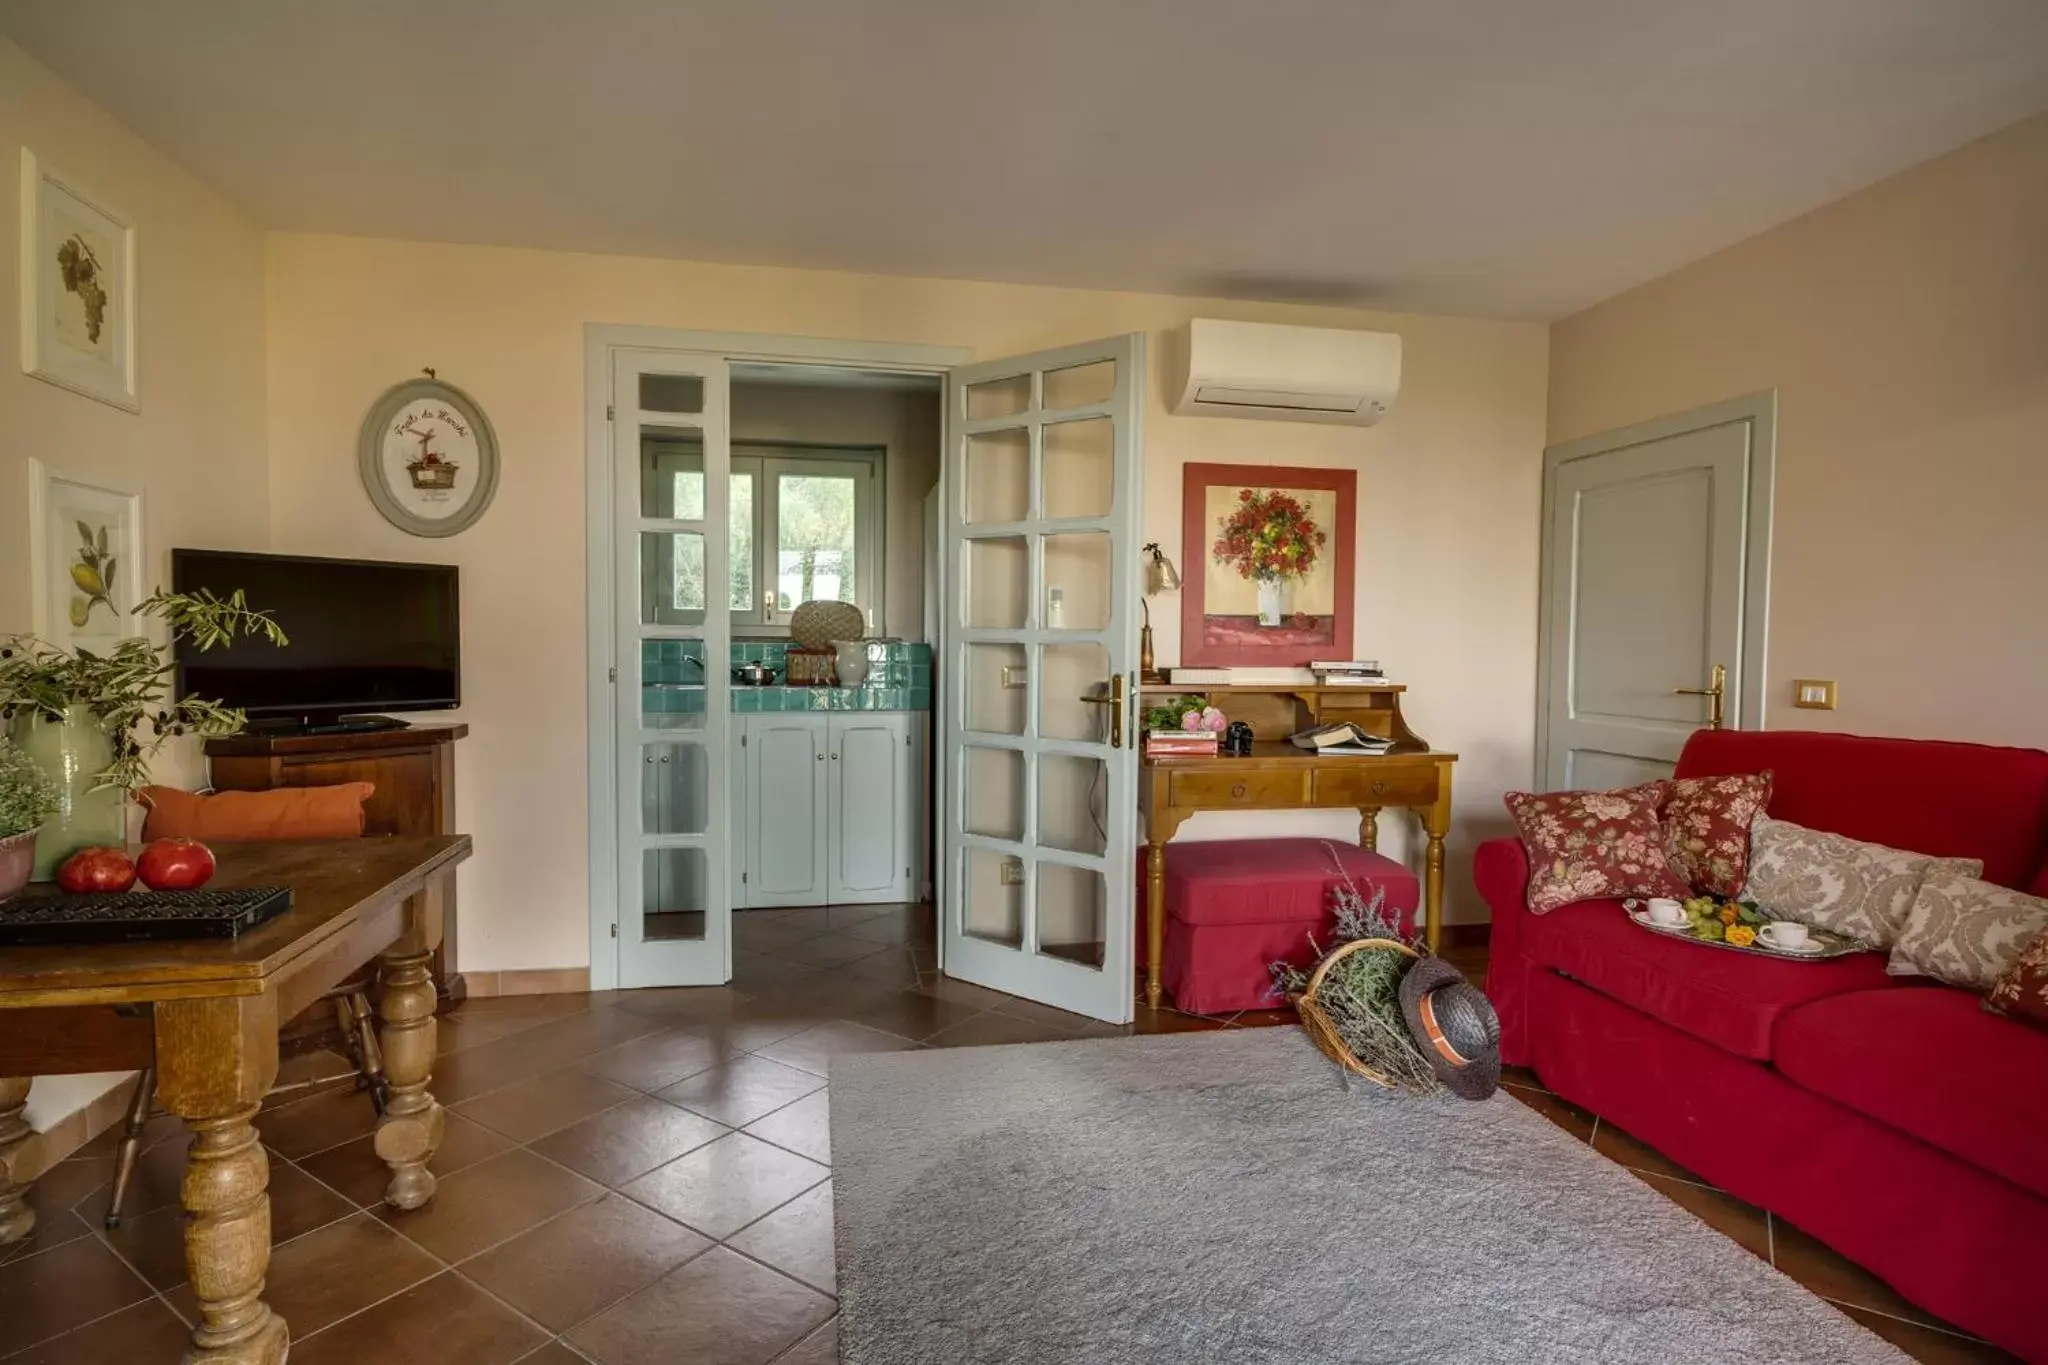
126	916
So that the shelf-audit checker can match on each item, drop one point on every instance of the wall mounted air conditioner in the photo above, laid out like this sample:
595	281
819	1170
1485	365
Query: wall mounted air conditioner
1287	374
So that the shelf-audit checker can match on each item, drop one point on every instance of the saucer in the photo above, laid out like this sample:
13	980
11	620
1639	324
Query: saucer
1811	948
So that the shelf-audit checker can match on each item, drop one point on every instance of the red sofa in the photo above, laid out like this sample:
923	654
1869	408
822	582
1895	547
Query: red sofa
1897	1121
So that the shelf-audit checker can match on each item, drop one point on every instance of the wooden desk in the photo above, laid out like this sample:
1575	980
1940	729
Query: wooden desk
207	1014
1278	776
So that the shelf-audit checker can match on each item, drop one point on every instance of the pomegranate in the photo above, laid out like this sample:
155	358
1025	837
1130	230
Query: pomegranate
96	869
175	865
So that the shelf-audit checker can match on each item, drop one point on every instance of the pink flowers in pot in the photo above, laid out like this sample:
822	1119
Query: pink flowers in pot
1203	718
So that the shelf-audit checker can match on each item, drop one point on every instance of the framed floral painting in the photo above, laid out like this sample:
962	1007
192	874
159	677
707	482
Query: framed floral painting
1276	553
85	558
77	289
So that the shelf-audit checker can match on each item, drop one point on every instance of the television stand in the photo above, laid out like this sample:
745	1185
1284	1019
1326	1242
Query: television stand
339	725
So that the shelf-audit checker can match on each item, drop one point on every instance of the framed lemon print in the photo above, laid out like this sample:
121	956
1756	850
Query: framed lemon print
428	458
85	558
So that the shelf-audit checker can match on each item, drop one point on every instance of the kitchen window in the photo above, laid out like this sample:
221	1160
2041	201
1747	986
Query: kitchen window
805	524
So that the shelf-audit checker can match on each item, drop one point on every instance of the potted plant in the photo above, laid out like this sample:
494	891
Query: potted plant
27	798
92	722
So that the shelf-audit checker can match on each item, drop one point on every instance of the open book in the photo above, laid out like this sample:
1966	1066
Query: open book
1342	737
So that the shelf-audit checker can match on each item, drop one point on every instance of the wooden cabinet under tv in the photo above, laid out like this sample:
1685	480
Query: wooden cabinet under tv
413	770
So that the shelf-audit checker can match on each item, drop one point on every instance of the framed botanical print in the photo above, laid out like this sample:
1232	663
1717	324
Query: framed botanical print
77	288
428	457
85	558
1271	554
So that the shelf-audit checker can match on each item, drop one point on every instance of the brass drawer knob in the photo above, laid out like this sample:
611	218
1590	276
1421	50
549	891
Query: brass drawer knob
1237	792
1379	786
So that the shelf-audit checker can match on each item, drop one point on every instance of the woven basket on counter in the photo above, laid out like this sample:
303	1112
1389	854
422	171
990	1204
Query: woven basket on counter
1317	1024
812	667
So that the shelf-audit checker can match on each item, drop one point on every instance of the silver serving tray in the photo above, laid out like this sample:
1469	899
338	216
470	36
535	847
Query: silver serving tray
1831	943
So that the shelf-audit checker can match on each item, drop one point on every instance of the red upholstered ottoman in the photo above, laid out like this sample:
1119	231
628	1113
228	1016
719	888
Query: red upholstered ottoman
1235	906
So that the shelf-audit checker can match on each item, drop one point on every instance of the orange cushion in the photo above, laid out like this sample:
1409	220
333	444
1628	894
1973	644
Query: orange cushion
283	813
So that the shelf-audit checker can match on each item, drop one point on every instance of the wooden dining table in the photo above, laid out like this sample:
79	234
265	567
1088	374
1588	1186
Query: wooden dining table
206	1013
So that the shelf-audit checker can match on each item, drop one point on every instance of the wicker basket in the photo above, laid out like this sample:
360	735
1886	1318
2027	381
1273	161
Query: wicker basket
1317	1024
812	667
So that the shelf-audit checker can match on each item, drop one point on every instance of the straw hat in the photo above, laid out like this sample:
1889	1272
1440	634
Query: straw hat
1453	1023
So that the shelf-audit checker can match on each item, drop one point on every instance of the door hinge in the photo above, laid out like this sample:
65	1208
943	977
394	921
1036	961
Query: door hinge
743	741
611	675
615	930
609	414
743	879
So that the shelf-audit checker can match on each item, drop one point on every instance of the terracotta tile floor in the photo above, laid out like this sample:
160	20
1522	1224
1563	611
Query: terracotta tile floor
642	1177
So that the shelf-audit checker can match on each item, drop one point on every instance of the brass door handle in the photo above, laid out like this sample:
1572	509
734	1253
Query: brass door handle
1115	701
1717	690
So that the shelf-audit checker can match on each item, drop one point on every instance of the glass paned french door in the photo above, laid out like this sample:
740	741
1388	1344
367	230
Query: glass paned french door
671	544
1043	478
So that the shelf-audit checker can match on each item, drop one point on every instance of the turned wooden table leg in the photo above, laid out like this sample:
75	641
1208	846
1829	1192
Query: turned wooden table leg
1436	822
1369	828
226	1195
1155	921
215	1059
17	1219
410	1129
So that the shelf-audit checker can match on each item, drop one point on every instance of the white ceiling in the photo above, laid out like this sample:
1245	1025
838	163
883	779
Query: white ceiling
1490	157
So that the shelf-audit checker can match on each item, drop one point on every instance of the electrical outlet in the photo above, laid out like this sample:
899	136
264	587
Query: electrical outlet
1015	676
1013	872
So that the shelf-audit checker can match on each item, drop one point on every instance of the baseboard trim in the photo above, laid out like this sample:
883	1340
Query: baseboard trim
527	981
64	1138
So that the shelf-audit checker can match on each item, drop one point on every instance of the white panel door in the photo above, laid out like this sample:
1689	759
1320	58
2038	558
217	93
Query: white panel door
671	715
869	807
1656	546
1042	481
787	758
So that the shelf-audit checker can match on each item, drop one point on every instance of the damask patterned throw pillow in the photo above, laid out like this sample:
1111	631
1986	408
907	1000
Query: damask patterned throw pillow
1584	845
1834	882
2022	992
1966	932
1706	828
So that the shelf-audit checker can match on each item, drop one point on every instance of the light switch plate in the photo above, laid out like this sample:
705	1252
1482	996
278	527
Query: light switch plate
1814	694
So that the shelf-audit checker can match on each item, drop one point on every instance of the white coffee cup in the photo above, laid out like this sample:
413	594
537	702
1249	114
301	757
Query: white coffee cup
1783	933
1664	910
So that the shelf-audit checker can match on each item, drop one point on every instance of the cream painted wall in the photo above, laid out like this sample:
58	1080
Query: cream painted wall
1449	490
196	450
907	424
1905	329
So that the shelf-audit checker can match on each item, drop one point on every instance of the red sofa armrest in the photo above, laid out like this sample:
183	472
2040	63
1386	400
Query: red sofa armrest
1501	870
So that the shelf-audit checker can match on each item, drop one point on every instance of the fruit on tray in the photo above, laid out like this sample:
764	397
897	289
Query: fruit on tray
1717	921
175	865
96	869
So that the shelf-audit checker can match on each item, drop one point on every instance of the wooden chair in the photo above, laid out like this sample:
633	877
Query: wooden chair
353	1022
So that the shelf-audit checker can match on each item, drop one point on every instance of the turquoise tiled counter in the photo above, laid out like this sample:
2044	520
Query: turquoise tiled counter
899	679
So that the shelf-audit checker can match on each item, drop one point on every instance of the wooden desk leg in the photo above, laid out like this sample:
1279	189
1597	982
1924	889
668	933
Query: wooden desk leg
1369	828
215	1060
1155	921
1436	822
411	1127
17	1219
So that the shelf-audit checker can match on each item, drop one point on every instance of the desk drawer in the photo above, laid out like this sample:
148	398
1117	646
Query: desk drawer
1374	785
1218	791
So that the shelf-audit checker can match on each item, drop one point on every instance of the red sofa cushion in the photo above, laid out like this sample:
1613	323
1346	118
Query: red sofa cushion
1732	1000
1925	796
1932	1062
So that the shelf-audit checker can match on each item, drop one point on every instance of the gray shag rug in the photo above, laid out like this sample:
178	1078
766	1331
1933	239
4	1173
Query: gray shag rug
1227	1197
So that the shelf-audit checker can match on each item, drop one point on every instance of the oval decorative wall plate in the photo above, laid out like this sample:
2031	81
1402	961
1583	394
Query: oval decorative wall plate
428	458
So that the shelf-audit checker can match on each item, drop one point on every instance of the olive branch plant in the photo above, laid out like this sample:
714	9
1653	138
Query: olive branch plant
128	688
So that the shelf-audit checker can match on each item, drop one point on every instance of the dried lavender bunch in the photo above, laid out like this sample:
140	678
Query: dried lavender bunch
1361	994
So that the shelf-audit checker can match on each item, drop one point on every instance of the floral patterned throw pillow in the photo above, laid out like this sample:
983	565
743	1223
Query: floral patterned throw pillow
1831	881
1966	932
2022	992
1706	829
1584	845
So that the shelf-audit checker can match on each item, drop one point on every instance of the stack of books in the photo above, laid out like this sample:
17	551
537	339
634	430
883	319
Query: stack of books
1241	677
1180	743
1349	673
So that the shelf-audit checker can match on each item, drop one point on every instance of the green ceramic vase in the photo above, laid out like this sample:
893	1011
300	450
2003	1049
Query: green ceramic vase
72	751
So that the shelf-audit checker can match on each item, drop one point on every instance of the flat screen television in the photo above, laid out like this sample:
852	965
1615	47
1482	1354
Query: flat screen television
366	636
